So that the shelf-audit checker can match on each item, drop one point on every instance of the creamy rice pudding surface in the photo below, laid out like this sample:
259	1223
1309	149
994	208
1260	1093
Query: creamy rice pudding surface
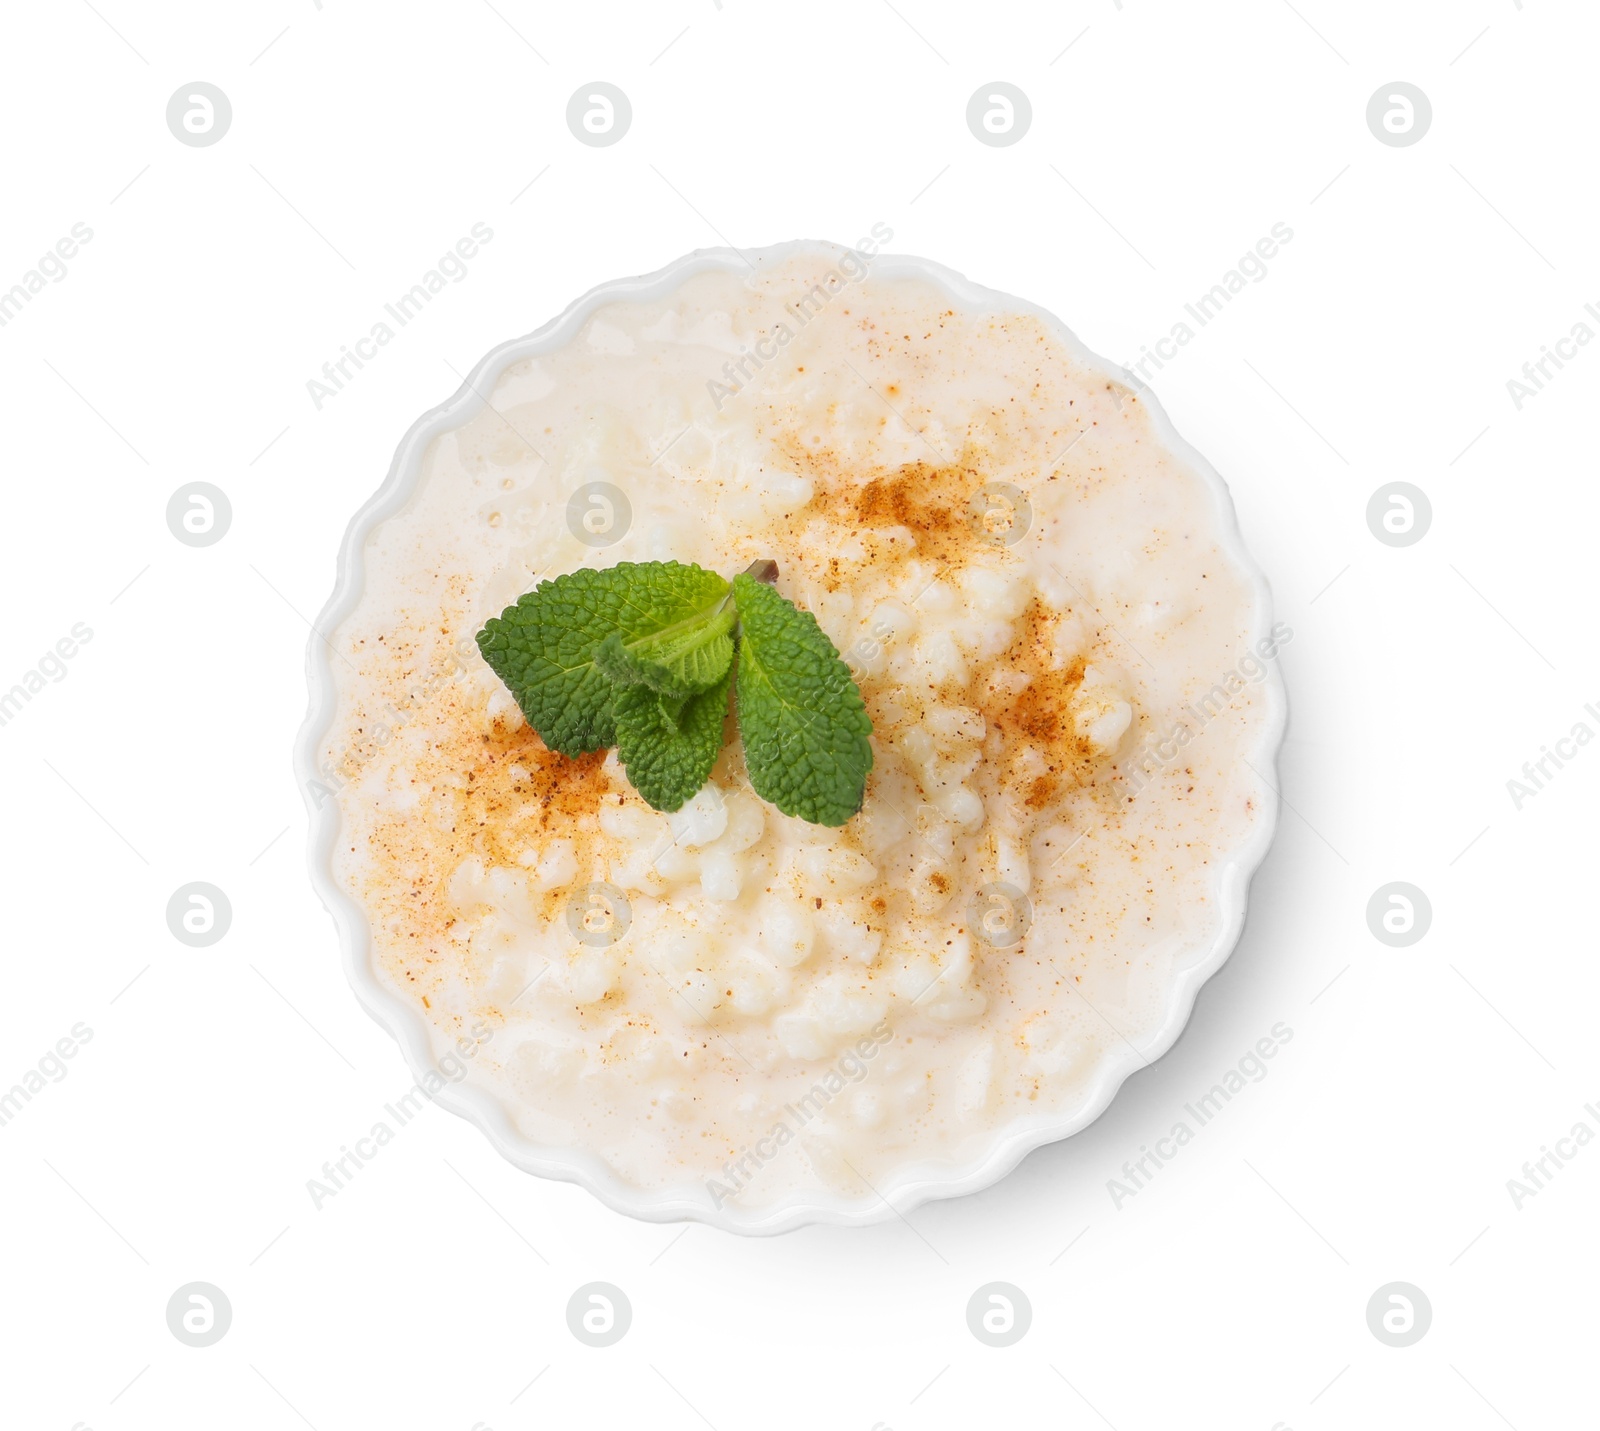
1062	665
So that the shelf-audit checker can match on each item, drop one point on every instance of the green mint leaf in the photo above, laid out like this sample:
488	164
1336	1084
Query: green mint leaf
668	746
544	647
677	661
804	725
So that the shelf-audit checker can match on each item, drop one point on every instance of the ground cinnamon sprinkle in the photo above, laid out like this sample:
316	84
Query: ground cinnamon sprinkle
932	503
515	789
914	497
1041	791
1042	709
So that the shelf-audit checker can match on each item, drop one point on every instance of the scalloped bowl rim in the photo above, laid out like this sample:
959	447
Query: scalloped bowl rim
915	1183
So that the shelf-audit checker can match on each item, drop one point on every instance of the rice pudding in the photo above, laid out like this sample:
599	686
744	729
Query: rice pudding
1067	670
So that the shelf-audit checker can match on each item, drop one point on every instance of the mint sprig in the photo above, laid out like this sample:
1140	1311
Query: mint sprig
804	725
680	660
545	647
667	745
642	655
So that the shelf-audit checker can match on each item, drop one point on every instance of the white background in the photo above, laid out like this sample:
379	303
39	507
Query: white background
1167	139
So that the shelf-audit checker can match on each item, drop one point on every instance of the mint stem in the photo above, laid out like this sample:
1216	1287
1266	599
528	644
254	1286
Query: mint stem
764	571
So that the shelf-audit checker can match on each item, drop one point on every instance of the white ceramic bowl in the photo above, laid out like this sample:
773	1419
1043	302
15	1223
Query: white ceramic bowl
914	1183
